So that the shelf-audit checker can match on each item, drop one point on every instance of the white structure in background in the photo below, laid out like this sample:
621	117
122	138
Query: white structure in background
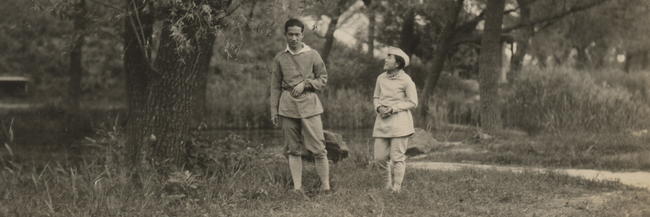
352	24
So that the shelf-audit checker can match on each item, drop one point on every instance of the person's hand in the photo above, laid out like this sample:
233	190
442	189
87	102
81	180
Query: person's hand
298	89
274	120
384	111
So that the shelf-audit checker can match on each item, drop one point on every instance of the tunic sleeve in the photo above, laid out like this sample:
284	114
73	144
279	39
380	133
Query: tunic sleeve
320	74
376	95
411	99
276	82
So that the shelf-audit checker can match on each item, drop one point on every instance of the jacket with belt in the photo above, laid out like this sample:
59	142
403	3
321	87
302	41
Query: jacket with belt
289	69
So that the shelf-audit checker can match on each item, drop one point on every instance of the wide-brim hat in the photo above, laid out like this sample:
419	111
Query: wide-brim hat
398	52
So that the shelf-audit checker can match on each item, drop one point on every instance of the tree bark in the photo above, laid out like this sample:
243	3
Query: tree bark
162	95
329	38
138	26
331	28
490	66
408	40
372	22
171	95
527	32
76	69
439	58
629	57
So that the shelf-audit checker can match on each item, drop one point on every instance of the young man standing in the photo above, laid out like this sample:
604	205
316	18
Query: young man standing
297	73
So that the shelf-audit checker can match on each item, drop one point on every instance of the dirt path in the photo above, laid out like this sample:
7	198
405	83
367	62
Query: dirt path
636	179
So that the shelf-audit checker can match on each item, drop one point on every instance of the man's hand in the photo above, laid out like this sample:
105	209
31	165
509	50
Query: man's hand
274	120
298	89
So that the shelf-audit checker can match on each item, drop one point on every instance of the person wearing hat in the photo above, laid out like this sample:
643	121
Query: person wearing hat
297	74
394	98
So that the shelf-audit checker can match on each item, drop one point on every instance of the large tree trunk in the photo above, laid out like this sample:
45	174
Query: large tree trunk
329	38
171	95
138	26
522	42
331	28
371	29
440	56
162	94
490	66
76	69
408	39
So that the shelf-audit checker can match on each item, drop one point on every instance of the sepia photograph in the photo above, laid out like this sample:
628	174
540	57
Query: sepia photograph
319	108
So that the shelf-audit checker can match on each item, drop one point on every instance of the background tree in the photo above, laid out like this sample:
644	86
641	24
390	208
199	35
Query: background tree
78	15
522	39
161	90
371	7
490	65
333	10
547	22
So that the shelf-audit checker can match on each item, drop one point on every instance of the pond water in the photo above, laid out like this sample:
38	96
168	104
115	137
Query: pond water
273	137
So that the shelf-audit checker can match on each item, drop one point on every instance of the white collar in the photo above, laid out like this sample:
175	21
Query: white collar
394	75
305	48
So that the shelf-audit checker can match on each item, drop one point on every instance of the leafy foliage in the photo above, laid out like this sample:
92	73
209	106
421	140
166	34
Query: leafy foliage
561	99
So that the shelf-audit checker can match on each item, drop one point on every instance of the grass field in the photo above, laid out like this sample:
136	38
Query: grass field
611	151
258	187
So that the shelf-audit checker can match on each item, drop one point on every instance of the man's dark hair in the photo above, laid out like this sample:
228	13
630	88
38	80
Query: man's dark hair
294	22
400	62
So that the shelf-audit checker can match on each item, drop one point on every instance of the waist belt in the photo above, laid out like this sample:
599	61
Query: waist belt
290	88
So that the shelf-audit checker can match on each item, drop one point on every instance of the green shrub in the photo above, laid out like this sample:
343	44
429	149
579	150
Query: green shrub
564	99
347	108
638	84
238	100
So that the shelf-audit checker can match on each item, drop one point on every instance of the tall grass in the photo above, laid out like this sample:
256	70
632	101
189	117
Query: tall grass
347	108
242	102
234	177
563	99
238	100
56	189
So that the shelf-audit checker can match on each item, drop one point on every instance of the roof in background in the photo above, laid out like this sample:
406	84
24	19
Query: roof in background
14	78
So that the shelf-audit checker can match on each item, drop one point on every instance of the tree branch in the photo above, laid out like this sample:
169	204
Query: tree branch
232	7
558	16
138	29
471	25
476	39
107	5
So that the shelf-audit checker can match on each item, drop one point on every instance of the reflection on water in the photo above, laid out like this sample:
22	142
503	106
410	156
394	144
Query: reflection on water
273	137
